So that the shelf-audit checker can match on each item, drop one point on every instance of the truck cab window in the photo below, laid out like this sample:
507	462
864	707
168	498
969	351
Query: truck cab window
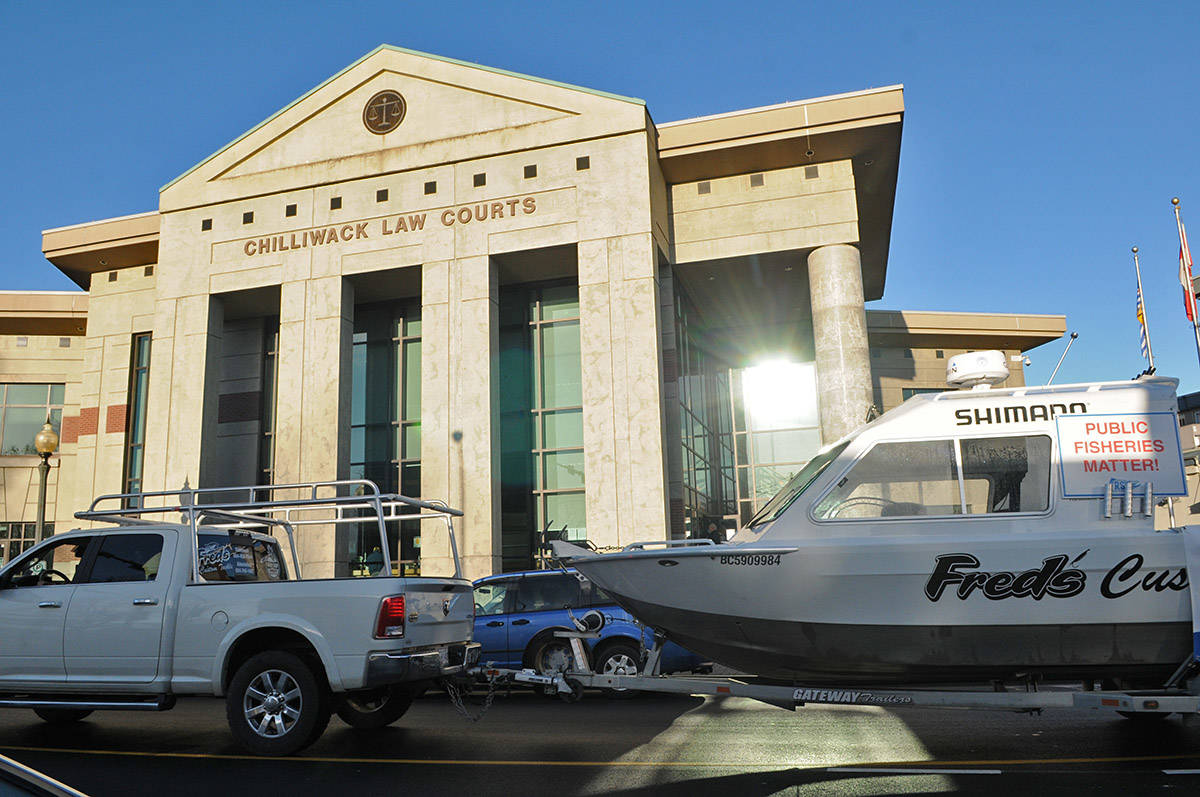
55	564
897	480
127	557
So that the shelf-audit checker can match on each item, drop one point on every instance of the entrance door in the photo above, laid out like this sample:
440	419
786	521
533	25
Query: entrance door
114	626
34	598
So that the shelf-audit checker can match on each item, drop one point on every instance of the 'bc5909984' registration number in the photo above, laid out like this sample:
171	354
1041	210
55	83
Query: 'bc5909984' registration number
753	559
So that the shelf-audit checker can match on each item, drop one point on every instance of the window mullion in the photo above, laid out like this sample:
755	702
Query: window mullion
962	489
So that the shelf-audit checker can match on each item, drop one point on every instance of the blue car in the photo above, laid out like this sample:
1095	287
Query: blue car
516	615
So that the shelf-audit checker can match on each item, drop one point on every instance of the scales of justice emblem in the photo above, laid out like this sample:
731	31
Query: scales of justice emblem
384	112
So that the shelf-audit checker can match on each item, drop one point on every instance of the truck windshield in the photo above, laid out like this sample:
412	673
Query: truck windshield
236	557
796	486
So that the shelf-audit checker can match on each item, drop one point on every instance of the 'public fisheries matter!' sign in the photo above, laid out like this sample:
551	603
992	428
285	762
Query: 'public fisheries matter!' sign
1128	447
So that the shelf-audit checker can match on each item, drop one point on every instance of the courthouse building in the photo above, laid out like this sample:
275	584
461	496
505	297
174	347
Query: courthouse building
526	298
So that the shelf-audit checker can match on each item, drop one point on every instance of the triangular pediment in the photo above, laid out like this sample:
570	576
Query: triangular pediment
452	111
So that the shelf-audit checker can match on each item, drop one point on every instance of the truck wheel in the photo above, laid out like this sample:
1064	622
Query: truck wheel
371	709
619	658
61	716
275	705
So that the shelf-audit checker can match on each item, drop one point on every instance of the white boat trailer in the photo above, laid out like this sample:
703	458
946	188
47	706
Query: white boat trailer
1181	693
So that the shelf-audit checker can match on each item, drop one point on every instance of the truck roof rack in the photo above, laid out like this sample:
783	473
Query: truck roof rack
321	503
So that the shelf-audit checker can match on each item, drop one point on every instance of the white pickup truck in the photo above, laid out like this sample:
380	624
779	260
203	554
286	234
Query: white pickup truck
135	615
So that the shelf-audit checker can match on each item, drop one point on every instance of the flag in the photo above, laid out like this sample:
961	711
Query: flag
1141	317
1185	272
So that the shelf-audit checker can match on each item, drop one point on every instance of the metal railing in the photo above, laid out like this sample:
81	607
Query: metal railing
352	502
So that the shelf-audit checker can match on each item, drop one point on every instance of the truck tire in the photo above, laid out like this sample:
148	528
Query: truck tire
619	658
61	716
372	709
275	704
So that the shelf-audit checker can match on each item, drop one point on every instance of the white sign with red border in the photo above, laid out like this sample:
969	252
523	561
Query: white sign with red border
1139	447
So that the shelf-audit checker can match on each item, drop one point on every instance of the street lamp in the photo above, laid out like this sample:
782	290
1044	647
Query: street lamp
45	442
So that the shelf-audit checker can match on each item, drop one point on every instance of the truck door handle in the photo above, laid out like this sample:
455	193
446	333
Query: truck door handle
50	605
520	622
495	624
146	602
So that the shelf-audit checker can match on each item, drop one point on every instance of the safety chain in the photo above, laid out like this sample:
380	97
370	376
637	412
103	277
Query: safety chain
457	698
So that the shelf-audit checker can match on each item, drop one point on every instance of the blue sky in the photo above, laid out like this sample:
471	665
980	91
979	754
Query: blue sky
1041	140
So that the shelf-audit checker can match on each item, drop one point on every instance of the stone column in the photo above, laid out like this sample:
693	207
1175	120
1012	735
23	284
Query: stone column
460	305
185	354
312	421
625	474
839	338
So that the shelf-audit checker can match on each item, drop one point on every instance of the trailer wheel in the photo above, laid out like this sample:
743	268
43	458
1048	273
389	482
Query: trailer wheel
275	704
62	716
372	709
619	658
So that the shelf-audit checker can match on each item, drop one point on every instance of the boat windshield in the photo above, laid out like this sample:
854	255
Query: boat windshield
796	486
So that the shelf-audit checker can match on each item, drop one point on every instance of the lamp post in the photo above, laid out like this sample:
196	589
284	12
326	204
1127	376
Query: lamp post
45	441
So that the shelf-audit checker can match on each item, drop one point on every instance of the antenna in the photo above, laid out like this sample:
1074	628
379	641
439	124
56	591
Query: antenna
1064	356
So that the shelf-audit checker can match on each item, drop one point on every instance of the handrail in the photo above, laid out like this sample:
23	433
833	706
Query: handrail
376	508
642	546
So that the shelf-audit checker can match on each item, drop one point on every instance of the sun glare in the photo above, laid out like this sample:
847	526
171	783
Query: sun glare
780	394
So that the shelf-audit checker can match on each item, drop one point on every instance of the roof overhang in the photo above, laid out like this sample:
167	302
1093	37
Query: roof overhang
43	313
82	250
926	329
863	127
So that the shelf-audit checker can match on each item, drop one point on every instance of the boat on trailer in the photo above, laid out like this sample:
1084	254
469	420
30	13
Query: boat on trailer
982	534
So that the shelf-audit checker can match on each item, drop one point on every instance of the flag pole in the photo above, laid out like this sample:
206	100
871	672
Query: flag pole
1186	268
1142	310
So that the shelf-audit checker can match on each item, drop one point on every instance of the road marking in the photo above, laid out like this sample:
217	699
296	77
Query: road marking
1181	771
913	771
905	766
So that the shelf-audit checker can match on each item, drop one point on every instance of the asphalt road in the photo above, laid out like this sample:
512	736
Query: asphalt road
531	745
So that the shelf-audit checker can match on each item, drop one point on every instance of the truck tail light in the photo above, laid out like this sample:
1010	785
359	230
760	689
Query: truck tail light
391	618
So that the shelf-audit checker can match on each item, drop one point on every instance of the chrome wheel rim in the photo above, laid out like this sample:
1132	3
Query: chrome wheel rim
272	703
620	664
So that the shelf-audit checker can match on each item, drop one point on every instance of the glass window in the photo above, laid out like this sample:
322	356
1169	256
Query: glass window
490	597
54	564
385	434
897	480
565	510
127	557
139	391
544	593
564	470
561	376
21	424
561	301
27	394
792	445
23	412
564	429
1007	474
239	557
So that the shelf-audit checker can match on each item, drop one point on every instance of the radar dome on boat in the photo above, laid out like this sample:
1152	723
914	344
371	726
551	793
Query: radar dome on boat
976	368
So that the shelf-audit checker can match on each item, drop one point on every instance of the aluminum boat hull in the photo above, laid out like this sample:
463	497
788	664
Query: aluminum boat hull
828	614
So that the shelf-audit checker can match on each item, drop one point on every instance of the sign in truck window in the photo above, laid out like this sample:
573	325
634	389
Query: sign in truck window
1127	447
232	558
